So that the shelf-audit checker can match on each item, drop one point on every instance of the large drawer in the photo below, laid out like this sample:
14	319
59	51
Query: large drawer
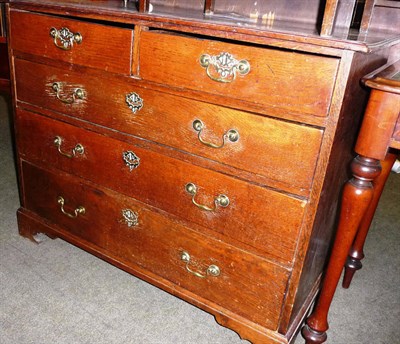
261	218
292	81
99	46
284	152
136	235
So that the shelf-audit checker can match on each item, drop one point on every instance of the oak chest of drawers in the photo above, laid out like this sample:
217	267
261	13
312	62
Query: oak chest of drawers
207	166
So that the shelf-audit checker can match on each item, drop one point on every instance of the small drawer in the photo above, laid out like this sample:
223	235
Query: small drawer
88	44
138	236
292	81
261	218
286	153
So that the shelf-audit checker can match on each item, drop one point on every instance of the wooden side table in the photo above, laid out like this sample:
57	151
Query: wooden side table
380	131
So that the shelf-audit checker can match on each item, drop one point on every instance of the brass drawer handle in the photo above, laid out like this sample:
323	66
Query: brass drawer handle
131	160
130	217
78	149
231	135
78	211
76	94
64	38
223	67
220	200
212	270
134	102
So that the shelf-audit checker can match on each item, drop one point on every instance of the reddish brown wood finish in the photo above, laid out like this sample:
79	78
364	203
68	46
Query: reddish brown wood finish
294	82
356	252
107	48
161	121
41	193
156	244
358	202
4	66
357	195
264	219
29	224
383	109
209	6
340	141
377	134
309	82
4	69
135	54
378	125
144	5
329	17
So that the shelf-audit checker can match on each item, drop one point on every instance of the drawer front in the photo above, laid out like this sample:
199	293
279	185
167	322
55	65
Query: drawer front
103	47
292	81
264	219
212	270
64	204
286	153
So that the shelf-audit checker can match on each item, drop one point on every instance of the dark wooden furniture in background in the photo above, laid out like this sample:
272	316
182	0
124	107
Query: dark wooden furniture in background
4	67
380	131
200	146
380	15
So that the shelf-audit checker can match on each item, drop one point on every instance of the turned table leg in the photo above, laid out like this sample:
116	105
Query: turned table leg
356	253
357	195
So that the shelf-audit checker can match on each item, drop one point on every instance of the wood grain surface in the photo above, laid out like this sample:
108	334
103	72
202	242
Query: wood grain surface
261	147
288	80
103	47
264	219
